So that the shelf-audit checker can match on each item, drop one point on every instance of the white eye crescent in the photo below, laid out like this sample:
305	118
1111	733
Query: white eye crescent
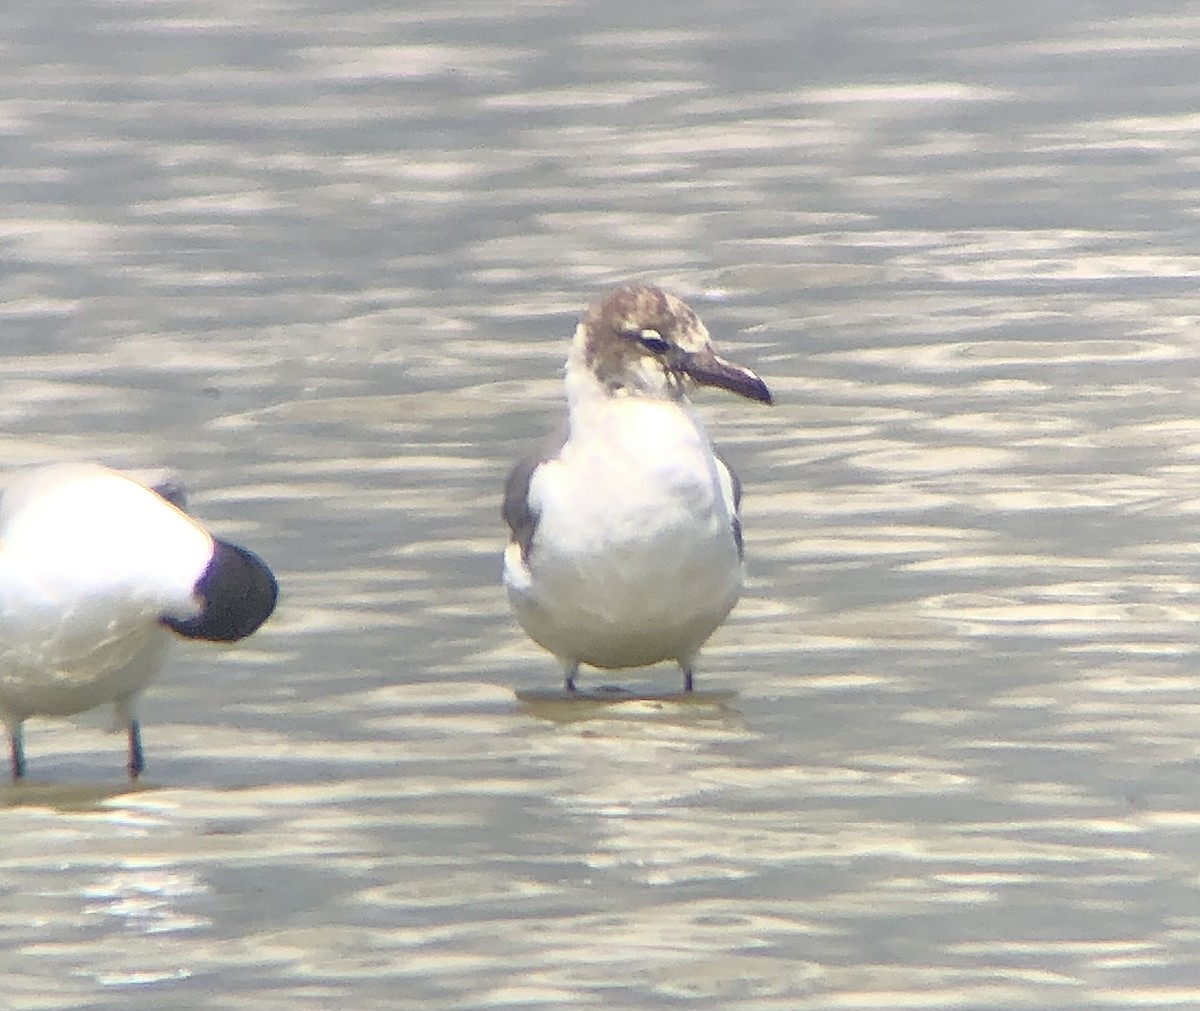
652	341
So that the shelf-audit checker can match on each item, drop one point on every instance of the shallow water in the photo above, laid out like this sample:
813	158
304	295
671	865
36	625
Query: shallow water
323	262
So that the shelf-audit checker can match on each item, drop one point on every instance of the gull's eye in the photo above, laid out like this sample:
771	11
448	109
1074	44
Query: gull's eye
649	339
652	342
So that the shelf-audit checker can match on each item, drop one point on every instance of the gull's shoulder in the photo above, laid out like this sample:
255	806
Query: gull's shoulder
731	487
166	484
518	511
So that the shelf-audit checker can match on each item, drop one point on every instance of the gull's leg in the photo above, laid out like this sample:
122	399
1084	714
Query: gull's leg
570	669
125	715
16	750
137	760
687	665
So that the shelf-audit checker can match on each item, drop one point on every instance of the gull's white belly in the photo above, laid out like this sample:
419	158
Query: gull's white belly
623	609
634	559
69	671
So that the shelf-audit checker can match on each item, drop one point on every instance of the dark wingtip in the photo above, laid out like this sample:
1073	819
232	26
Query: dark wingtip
238	591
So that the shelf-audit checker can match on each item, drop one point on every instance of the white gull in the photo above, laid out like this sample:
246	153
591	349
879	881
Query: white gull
96	572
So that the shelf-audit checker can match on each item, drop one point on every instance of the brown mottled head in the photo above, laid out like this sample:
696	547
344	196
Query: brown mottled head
641	340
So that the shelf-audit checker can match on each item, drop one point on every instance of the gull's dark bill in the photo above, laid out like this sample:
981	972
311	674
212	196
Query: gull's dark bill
707	369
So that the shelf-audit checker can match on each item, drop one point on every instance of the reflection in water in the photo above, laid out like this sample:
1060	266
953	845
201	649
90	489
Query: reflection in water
35	792
321	264
590	703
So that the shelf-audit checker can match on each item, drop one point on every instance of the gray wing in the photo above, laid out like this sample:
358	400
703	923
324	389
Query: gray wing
517	511
737	500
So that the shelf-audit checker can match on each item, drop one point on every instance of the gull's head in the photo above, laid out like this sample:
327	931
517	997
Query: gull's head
641	341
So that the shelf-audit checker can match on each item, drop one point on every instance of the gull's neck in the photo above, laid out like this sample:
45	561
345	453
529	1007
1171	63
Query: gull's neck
641	407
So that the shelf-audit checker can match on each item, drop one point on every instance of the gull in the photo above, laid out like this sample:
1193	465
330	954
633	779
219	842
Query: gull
626	545
97	571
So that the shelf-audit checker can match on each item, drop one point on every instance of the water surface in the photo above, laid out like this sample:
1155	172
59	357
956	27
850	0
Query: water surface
323	262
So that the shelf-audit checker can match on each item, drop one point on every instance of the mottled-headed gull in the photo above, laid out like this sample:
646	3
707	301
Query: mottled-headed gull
626	545
96	572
